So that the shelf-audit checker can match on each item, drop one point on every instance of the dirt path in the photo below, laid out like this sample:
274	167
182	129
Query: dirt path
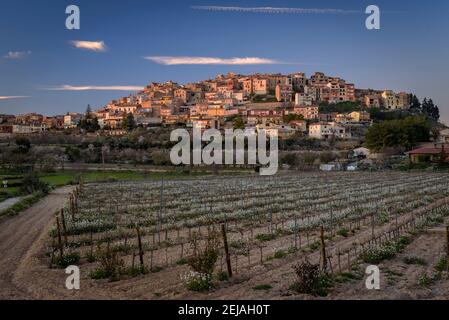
4	205
17	238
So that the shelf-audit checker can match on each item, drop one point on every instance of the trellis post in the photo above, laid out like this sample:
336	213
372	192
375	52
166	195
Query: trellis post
226	248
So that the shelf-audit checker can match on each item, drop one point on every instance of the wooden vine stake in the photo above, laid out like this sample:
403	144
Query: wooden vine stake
139	240
64	228
226	248
61	249
323	251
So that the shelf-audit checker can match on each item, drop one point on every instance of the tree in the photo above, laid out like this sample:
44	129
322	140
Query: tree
293	117
129	123
88	114
23	145
404	133
415	104
73	153
426	108
238	123
430	110
89	121
290	159
340	107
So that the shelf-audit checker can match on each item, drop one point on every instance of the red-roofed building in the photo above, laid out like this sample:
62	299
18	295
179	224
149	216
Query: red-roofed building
429	154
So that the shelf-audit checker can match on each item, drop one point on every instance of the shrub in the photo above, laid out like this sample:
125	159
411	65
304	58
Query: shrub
442	265
239	244
385	251
90	257
199	282
376	255
343	232
223	276
67	259
415	260
110	264
203	262
315	245
32	184
262	237
311	280
204	259
133	271
426	280
279	254
181	261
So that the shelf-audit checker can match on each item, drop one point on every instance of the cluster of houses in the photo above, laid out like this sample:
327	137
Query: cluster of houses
260	100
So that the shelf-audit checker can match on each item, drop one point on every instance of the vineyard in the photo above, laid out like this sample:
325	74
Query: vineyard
151	228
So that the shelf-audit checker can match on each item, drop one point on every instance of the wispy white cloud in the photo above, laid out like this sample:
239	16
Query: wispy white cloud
275	10
12	97
95	88
97	46
16	55
170	61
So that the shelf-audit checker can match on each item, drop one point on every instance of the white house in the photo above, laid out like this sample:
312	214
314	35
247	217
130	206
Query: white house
443	136
326	130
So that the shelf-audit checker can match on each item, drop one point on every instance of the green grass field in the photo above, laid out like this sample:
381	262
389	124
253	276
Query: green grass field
62	178
68	177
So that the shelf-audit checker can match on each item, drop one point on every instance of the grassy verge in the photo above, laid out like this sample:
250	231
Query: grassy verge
6	193
22	205
62	178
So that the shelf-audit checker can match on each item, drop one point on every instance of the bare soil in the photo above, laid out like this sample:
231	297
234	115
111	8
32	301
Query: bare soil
400	280
25	274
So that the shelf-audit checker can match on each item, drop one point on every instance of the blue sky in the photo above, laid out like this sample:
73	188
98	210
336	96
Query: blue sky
36	53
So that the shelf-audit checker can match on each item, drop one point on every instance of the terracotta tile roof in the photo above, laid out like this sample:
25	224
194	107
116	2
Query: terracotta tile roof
427	150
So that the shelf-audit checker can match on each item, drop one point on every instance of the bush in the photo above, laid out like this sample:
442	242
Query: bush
204	259
376	255
343	232
110	264
311	280
442	264
23	145
202	262
415	260
90	257
385	251
181	261
223	276
265	237
133	271
199	282
426	280
32	184
67	259
315	245
279	254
